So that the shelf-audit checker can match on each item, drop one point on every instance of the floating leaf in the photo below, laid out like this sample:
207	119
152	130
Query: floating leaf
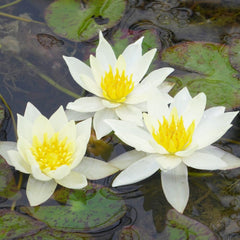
180	227
82	20
234	53
86	209
211	70
8	187
15	225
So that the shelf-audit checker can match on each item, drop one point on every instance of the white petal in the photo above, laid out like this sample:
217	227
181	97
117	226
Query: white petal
194	110
143	65
83	132
104	53
230	160
132	135
18	162
108	104
42	126
175	186
86	104
68	130
138	171
155	78
126	159
76	68
31	112
24	127
168	162
130	113
204	161
38	191
97	70
58	119
181	100
95	169
211	129
166	86
5	146
100	126
132	54
77	116
120	64
59	173
73	180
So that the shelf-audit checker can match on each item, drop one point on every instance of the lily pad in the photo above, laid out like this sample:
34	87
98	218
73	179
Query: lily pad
82	20
234	53
209	71
86	210
180	227
15	225
8	187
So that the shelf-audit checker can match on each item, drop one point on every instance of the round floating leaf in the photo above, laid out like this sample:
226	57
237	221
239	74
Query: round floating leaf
86	209
14	225
180	227
211	72
82	20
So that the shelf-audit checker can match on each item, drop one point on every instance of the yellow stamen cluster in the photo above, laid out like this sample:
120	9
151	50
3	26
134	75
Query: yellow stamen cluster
116	86
52	153
172	134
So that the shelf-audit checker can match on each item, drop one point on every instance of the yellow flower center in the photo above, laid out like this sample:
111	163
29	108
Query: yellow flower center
172	135
52	153
116	86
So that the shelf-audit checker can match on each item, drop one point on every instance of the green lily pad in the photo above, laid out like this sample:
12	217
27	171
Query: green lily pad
15	225
8	187
82	20
89	209
234	53
180	227
209	71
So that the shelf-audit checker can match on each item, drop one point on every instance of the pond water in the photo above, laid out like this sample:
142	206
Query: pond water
32	69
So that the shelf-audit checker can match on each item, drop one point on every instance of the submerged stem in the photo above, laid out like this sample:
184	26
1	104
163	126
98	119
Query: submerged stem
19	18
48	79
10	4
11	114
18	188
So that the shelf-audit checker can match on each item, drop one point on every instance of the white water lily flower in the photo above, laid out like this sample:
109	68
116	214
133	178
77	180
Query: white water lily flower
117	84
52	152
173	138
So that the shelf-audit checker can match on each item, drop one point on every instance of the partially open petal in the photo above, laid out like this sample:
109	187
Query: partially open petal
58	119
24	127
38	191
210	130
78	116
69	131
31	112
108	104
204	161
143	65
18	162
74	180
59	173
230	160
86	104
95	169
5	147
100	126
104	53
130	113
126	159
97	70
138	171
175	186
134	136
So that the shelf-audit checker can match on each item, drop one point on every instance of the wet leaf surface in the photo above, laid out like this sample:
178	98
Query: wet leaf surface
15	225
210	72
86	210
82	20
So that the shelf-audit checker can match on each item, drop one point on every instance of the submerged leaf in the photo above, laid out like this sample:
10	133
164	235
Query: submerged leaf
82	20
210	72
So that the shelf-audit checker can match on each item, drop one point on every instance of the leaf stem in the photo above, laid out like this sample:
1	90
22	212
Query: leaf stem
10	4
19	18
18	188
